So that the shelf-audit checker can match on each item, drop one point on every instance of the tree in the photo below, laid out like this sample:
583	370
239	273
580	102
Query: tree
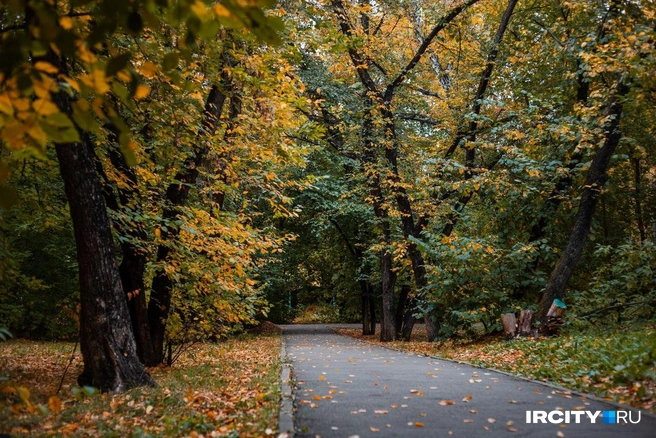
38	66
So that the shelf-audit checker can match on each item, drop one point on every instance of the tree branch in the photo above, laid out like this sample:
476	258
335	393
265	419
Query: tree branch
444	21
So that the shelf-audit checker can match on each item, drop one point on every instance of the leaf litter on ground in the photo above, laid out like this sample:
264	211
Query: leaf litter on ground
224	389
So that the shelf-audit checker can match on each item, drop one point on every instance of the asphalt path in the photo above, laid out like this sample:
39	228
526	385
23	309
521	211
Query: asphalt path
347	388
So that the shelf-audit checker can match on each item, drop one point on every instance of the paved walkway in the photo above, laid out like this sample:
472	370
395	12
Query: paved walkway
348	388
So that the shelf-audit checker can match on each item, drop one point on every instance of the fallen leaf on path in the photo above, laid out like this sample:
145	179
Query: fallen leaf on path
467	420
512	429
419	424
380	411
491	420
374	429
447	402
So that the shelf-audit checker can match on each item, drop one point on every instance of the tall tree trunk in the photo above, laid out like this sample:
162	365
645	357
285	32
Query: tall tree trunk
176	196
132	270
367	315
106	339
638	199
563	181
595	180
387	323
372	309
133	262
400	309
222	161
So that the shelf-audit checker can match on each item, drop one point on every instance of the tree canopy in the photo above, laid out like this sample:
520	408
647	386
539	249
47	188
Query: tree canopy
331	160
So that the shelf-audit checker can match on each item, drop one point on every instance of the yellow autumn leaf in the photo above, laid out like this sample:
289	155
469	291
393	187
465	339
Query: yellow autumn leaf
24	394
141	92
46	67
5	105
148	69
221	11
73	83
21	104
100	81
66	23
44	107
54	404
37	134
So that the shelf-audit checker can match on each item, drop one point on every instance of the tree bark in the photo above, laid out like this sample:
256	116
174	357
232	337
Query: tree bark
365	299
106	339
638	199
387	323
372	309
133	262
509	323
400	309
176	196
595	180
524	323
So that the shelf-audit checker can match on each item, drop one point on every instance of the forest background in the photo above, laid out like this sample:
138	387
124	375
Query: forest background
175	172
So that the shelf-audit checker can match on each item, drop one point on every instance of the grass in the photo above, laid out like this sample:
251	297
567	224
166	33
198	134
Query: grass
618	363
226	389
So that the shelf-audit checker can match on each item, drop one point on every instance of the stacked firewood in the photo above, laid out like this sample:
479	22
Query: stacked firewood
513	328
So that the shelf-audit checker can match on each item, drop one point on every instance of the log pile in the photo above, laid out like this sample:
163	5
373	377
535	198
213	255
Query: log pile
515	328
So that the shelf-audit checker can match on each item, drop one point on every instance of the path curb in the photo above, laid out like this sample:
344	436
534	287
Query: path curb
286	415
515	376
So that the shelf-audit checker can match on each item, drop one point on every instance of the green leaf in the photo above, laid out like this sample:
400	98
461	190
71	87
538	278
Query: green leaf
117	64
8	198
170	61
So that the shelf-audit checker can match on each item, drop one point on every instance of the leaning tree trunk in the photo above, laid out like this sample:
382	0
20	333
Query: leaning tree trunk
595	180
176	196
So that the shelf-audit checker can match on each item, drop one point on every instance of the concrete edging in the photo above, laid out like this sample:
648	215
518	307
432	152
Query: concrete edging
286	414
514	376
